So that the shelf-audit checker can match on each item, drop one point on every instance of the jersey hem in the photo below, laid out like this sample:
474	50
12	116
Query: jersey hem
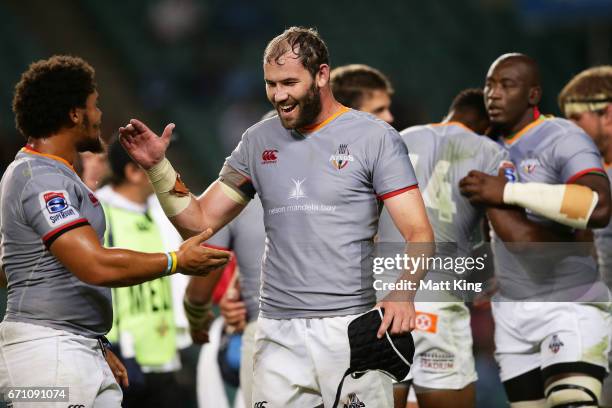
397	192
51	236
594	170
312	314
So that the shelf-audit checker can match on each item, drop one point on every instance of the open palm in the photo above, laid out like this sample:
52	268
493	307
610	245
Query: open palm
143	145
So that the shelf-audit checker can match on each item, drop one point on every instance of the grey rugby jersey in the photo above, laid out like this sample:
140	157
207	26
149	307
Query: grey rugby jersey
320	194
246	236
40	199
553	151
442	154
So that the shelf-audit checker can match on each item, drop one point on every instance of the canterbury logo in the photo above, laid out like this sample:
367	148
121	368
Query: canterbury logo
260	404
269	156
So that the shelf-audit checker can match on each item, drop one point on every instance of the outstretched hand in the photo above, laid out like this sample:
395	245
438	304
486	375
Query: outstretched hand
143	145
196	259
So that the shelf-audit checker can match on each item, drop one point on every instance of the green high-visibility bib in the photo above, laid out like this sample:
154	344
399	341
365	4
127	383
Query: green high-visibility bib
144	311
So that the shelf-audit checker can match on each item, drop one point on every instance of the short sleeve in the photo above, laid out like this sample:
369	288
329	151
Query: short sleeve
493	157
239	159
393	173
52	206
221	240
577	155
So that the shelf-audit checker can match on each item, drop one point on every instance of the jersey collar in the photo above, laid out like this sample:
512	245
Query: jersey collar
30	150
453	123
313	128
541	119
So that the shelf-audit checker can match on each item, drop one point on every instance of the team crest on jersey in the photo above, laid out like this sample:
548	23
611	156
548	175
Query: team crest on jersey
529	165
342	157
353	401
56	207
555	344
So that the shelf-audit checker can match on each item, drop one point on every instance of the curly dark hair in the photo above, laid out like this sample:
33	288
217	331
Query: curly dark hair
304	42
47	91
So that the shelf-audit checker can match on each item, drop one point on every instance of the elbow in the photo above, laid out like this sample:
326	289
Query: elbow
600	217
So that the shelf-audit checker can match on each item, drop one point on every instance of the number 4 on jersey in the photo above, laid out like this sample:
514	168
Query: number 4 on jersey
438	194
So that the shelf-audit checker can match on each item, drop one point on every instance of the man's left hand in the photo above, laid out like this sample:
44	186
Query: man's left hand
482	188
117	368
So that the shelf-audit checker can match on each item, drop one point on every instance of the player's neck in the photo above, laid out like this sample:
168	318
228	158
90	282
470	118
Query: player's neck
329	107
530	115
60	145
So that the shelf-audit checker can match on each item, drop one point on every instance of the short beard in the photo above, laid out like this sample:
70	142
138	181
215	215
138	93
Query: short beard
89	145
310	108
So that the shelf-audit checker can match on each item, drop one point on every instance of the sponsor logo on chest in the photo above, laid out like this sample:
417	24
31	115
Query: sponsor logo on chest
269	156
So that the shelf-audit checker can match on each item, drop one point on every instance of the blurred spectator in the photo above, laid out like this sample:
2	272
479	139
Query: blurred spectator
174	20
143	322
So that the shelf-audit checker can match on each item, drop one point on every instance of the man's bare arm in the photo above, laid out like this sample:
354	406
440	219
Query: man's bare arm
113	267
410	217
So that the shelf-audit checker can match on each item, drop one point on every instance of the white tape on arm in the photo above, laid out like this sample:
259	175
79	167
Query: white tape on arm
567	204
164	178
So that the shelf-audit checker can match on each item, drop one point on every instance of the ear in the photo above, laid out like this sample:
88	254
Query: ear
322	77
607	115
74	115
535	95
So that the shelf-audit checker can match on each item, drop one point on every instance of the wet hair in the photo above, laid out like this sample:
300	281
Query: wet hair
305	43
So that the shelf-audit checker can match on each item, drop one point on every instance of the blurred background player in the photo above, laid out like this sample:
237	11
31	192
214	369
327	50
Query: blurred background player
298	297
363	88
51	228
143	315
443	372
543	360
587	101
245	236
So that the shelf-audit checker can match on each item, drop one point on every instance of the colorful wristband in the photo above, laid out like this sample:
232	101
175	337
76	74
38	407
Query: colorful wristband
174	262
168	270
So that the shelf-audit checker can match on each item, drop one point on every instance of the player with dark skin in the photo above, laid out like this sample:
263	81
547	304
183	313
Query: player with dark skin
512	93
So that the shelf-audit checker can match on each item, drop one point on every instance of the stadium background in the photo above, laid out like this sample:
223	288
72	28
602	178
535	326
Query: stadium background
198	63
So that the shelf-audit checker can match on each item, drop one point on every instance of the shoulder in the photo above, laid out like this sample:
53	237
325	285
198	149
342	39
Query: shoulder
365	122
264	127
564	131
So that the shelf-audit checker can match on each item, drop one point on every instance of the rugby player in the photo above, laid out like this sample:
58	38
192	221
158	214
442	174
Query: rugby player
364	88
318	168
357	86
587	101
51	229
443	372
550	354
